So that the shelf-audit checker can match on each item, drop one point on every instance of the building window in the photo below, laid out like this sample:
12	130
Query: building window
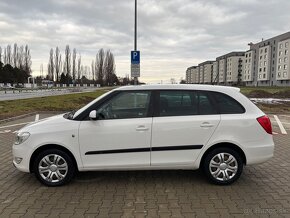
280	46
246	55
285	67
286	44
260	76
261	51
280	53
260	70
265	56
261	57
265	50
280	60
285	59
265	63
264	69
279	74
249	55
279	67
285	74
264	76
286	51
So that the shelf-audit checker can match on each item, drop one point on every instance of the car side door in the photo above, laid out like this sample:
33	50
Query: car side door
121	136
183	122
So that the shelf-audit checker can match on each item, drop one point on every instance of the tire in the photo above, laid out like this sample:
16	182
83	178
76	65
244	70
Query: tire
223	166
54	167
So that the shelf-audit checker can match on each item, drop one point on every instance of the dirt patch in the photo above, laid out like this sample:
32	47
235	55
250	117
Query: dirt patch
282	94
259	94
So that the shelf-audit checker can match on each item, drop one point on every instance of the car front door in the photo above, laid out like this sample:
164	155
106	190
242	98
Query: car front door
121	136
183	123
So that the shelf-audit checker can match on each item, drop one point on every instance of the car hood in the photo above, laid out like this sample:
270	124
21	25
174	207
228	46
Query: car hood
53	123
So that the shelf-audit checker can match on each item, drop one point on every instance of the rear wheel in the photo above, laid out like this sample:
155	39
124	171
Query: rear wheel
54	167
223	166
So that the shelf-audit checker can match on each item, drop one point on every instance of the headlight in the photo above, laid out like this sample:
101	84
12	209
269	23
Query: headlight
21	137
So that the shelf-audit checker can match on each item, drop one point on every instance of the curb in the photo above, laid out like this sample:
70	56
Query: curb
17	117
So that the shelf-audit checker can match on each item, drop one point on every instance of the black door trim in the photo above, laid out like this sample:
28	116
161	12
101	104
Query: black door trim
162	148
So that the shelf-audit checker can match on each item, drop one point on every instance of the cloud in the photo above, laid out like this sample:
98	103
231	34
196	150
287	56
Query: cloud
172	34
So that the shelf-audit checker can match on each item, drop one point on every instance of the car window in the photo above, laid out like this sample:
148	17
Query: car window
126	105
205	105
227	105
178	103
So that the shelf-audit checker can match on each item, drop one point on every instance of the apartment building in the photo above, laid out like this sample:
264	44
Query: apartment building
248	67
207	68
283	61
230	67
201	74
215	68
266	63
267	55
234	68
192	75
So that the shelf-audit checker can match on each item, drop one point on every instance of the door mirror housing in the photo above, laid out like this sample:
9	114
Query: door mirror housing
93	115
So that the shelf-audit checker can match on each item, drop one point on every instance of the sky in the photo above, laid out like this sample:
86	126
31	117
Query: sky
172	34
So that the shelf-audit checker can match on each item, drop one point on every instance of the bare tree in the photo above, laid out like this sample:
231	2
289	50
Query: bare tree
57	63
27	60
15	55
8	55
100	66
109	68
74	56
79	67
93	70
20	58
67	61
51	65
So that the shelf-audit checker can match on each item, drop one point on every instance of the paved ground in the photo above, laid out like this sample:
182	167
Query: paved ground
263	190
10	95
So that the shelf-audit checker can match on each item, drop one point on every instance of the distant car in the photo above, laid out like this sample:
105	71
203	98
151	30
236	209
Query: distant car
149	127
7	87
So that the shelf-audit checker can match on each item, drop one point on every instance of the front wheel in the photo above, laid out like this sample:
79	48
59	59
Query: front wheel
54	167
223	166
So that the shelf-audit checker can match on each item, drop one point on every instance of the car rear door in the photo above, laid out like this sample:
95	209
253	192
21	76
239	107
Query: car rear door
184	121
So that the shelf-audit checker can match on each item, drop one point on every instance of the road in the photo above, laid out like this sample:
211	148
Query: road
262	191
41	93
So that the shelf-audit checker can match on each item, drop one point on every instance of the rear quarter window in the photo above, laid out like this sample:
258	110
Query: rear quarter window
227	105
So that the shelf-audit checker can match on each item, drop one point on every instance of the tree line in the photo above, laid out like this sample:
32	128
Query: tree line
15	64
70	69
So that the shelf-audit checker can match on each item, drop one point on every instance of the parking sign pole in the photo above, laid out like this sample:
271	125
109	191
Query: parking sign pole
135	36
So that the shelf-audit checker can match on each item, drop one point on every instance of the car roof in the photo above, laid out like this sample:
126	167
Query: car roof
180	87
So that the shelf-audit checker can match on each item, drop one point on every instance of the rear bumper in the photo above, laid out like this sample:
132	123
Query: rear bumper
259	154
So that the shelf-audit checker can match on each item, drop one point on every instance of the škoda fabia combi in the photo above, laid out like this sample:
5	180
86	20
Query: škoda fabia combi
149	127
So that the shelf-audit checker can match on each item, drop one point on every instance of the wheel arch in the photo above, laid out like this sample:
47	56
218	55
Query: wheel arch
50	146
224	145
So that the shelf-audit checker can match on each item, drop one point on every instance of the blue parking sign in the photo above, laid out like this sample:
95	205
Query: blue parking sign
135	57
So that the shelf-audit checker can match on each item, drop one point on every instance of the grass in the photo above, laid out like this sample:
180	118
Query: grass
51	103
271	90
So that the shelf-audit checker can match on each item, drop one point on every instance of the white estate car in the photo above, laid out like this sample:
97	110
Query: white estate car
149	127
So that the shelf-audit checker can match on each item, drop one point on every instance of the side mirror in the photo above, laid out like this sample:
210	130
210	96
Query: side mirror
93	115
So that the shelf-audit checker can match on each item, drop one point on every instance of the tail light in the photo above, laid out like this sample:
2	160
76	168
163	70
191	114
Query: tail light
265	123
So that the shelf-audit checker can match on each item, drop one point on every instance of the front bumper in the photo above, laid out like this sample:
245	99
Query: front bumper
21	151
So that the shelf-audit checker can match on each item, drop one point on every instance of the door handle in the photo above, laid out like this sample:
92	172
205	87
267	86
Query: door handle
206	125
142	128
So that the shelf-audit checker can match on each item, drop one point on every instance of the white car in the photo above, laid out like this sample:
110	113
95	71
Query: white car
149	127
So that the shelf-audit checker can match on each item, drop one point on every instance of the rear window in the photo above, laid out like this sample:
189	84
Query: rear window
183	103
227	105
